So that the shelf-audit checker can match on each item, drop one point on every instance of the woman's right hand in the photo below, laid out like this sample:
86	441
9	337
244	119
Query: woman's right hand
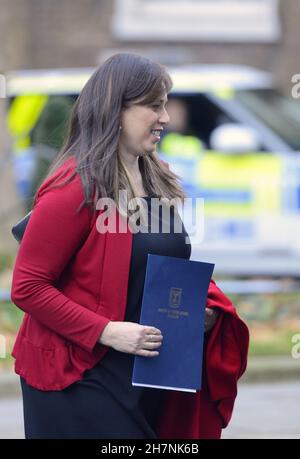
132	338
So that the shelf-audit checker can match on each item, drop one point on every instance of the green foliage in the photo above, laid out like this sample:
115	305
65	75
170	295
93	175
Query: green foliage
10	317
10	321
6	260
266	307
279	343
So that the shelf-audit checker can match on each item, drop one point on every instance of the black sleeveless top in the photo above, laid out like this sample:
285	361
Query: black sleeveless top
116	367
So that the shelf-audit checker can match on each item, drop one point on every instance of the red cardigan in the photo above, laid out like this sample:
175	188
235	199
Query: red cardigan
70	281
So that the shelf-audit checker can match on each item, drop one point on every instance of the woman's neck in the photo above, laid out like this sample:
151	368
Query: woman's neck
134	174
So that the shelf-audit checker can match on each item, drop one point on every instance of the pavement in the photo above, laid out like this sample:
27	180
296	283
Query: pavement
269	410
262	410
267	405
11	418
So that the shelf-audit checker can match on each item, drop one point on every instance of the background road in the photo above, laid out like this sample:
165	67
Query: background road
261	411
266	410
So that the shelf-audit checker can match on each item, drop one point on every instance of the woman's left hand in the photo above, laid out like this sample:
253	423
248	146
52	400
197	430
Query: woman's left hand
211	316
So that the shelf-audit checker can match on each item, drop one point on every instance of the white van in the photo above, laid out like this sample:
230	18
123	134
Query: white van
247	169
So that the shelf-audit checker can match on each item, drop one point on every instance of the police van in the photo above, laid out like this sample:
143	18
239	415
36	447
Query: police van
238	152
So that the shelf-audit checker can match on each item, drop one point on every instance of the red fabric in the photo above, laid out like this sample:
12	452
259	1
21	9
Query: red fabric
70	280
204	414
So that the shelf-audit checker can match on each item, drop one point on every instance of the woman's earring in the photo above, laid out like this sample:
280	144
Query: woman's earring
120	128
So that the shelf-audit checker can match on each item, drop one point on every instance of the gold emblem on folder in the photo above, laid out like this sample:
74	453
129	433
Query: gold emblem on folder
175	297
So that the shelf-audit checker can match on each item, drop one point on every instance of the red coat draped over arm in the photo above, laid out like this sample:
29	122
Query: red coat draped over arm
203	415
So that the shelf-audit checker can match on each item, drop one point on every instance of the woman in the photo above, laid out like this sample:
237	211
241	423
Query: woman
81	287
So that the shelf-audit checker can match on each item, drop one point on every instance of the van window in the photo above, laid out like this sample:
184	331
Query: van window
278	112
204	116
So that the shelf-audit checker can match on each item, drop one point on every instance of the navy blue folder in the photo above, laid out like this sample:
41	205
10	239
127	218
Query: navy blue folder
174	299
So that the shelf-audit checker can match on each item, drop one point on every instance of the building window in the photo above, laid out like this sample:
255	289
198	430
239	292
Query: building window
197	20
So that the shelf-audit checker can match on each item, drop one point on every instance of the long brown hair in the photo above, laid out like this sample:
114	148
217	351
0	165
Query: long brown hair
94	130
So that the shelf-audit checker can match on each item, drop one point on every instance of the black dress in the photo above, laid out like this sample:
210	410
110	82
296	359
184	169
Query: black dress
104	404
